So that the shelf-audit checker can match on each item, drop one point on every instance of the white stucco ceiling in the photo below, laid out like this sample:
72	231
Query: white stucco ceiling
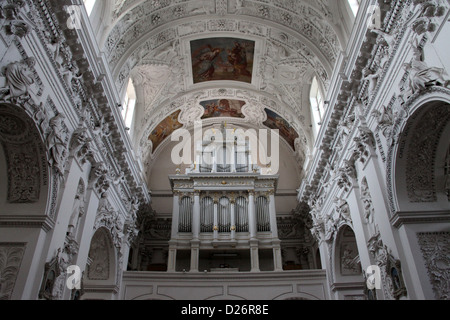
150	42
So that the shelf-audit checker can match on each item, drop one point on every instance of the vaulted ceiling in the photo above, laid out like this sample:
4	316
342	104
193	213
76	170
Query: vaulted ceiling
268	52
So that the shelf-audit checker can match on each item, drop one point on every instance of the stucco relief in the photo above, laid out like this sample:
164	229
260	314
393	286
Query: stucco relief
10	260
435	251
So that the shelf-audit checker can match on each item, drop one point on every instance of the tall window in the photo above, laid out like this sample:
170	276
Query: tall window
317	106
354	4
89	5
129	103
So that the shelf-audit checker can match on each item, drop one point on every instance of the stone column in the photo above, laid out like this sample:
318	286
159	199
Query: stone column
254	255
277	260
195	251
232	217
251	214
196	216
175	214
233	159
273	215
171	259
215	228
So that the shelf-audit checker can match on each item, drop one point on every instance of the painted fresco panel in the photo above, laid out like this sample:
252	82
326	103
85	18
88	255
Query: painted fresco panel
222	59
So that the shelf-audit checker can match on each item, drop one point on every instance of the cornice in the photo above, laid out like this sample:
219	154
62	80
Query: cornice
350	88
244	276
100	90
401	218
27	221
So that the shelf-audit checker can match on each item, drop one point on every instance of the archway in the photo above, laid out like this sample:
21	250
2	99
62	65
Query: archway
348	277
26	206
420	174
420	201
100	277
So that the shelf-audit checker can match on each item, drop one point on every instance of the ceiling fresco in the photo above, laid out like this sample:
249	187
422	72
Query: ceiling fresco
274	121
222	108
222	59
165	129
205	57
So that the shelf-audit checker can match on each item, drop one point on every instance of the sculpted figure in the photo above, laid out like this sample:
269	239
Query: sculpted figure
19	78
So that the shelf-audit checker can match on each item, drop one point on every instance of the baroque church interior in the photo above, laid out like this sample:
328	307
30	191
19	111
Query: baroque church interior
224	149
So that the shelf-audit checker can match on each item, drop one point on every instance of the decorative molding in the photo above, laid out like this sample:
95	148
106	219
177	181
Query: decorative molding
364	78
422	145
400	218
398	129
99	253
11	255
25	155
368	209
53	274
435	248
391	270
27	221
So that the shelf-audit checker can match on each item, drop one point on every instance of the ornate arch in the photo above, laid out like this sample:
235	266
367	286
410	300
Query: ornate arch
29	175
102	257
346	254
416	133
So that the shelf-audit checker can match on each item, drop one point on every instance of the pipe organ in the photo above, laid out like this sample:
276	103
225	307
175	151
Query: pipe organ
221	218
185	217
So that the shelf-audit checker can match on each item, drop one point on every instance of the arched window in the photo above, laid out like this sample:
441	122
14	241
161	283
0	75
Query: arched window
129	103
354	5
317	106
89	5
